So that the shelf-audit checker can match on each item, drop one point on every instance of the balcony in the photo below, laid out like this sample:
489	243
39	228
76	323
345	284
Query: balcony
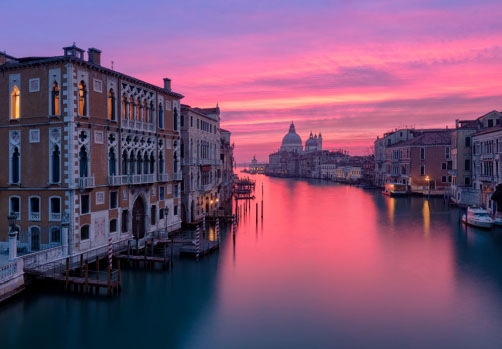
137	125
147	178
124	179
34	216
207	187
55	216
135	179
114	180
162	177
86	182
177	176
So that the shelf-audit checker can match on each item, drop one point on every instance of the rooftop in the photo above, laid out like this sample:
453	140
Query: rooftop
427	138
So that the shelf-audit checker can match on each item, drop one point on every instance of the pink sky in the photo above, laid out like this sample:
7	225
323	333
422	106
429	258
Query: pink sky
351	70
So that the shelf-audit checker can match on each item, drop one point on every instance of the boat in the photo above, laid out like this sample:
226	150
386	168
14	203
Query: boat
477	217
394	189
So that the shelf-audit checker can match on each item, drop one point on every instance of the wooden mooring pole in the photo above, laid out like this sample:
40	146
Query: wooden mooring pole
256	213
67	283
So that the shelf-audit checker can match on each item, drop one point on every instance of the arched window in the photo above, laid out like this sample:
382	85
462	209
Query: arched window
138	109
151	117
124	163
82	99
139	161
146	164
83	162
124	107
55	99
152	163
145	112
15	165
161	163
14	113
111	105
161	116
112	162
132	163
175	119
35	238
55	164
175	163
131	108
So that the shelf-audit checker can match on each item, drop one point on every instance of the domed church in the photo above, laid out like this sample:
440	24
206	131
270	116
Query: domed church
314	143
292	141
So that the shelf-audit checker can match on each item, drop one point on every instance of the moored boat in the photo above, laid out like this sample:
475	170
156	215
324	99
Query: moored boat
394	189
477	217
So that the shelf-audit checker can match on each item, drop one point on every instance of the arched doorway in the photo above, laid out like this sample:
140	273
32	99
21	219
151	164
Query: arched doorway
138	218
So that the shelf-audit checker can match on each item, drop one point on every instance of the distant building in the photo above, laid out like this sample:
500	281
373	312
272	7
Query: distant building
314	143
292	142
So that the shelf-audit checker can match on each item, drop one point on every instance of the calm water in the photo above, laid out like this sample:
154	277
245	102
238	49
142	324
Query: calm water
329	266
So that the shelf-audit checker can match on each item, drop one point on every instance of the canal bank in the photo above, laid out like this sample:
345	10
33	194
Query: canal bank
328	266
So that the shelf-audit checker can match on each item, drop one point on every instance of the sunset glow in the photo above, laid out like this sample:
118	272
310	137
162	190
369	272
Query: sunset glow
351	70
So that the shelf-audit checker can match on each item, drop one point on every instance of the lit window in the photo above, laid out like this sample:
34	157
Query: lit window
124	107
111	105
82	99
14	114
55	99
131	108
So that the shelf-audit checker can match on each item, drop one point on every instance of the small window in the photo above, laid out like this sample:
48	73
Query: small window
467	141
422	170
113	199
153	214
161	214
161	193
443	179
113	226
490	123
422	153
467	181
34	209
125	215
84	202
443	166
55	208
84	232
55	235
15	206
175	210
467	164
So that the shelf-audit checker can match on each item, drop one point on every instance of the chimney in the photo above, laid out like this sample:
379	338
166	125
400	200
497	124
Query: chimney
94	55
167	84
456	123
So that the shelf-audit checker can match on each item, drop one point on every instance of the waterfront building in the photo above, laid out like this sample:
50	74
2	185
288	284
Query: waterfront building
257	167
89	145
422	162
207	159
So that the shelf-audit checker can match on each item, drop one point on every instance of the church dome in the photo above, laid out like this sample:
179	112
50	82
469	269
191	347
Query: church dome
311	142
292	138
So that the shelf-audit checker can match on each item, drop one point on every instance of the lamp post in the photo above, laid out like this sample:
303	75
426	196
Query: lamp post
428	180
12	236
65	223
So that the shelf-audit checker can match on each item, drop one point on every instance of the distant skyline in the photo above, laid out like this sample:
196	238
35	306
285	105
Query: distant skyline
351	70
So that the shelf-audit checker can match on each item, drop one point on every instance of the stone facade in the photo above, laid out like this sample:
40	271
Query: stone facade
90	143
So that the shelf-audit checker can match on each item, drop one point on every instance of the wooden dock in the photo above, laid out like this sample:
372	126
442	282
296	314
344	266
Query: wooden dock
148	261
206	247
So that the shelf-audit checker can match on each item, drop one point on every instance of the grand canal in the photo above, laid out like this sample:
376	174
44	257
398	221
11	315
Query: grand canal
328	266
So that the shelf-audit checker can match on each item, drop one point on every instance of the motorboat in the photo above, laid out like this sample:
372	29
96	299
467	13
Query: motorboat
477	217
394	189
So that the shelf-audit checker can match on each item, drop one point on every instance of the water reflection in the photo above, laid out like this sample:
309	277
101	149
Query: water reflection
327	266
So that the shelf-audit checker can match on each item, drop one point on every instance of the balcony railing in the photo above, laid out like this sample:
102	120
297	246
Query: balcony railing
207	187
125	179
177	176
34	216
162	177
135	179
86	182
147	178
114	180
55	216
137	125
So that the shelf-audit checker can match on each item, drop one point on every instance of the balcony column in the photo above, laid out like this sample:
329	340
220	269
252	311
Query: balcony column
12	244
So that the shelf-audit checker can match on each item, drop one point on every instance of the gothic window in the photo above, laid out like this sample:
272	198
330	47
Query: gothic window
138	110
175	163
124	163
15	165
175	119
112	162
139	164
15	103
124	107
161	163
145	112
131	108
55	163
55	99
161	116
146	164
83	162
125	215
111	105
151	113
132	162
82	99
152	163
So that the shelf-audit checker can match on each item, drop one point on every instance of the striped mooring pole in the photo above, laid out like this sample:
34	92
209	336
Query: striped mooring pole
110	252
197	242
217	228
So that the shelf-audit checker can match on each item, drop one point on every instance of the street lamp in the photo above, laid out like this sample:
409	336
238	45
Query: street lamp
428	180
12	220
